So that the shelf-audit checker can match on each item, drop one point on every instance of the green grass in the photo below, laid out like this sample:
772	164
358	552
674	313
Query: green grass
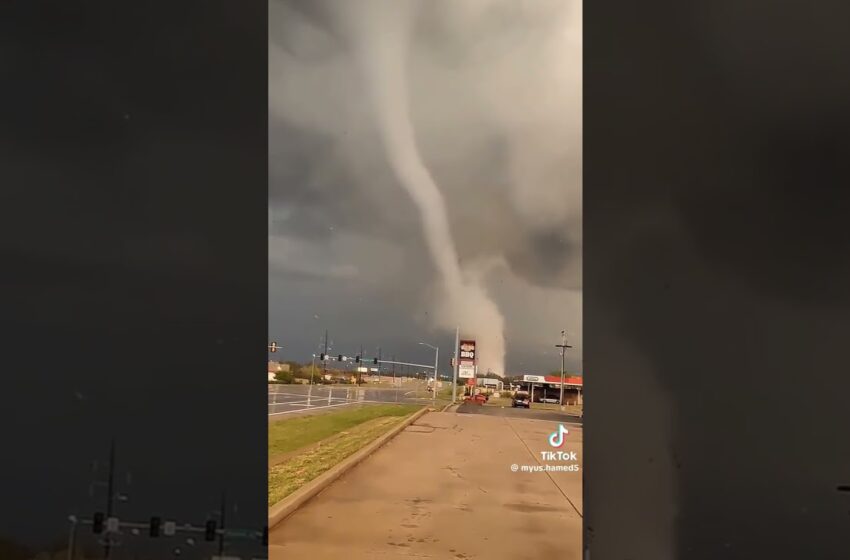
323	441
289	476
295	433
445	392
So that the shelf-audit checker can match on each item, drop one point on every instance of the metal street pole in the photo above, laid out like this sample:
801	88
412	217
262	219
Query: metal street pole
223	518
312	368
455	366
110	499
325	361
72	538
395	387
436	367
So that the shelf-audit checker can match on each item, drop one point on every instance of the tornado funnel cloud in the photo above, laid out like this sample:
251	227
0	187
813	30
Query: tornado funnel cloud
378	33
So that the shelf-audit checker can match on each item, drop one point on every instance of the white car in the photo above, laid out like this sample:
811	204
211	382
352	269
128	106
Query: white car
549	400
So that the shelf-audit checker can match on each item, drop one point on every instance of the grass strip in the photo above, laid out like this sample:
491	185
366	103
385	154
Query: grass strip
292	434
290	475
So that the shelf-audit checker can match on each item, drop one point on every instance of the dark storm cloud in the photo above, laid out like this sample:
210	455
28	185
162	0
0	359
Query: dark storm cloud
717	290
500	135
123	153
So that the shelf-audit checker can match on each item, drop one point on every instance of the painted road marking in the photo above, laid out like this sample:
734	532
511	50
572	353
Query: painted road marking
317	408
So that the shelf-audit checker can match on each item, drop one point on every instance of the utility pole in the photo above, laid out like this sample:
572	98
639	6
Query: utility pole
312	368
563	346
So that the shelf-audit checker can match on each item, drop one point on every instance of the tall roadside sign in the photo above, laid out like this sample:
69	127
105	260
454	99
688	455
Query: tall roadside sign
467	359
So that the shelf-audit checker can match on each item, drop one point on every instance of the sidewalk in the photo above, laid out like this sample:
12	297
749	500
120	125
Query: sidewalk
444	488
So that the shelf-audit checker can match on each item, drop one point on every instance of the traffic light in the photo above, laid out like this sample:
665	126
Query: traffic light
339	358
265	536
357	359
97	523
323	357
209	533
375	361
156	523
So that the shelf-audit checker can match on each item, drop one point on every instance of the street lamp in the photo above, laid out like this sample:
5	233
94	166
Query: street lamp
436	363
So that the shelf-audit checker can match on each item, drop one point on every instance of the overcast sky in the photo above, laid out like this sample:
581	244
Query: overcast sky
495	102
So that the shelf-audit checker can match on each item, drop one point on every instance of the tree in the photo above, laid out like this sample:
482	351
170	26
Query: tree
284	376
304	371
294	367
557	373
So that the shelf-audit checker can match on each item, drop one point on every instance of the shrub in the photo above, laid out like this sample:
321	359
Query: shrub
284	376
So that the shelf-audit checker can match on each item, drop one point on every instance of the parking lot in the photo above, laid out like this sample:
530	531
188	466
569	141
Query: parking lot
286	400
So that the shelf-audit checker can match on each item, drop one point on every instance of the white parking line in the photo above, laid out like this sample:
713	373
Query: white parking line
339	399
316	408
307	403
304	405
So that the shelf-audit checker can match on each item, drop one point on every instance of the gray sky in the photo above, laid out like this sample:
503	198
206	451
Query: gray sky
495	102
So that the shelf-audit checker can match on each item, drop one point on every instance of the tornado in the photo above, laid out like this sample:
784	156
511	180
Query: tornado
378	34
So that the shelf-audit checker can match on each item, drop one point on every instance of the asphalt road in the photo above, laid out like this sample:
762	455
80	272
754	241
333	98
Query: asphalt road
287	400
510	412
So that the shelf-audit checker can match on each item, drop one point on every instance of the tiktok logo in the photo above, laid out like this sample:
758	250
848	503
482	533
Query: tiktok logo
556	438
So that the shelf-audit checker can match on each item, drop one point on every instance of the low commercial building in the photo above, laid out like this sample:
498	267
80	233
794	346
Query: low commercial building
549	387
275	367
490	383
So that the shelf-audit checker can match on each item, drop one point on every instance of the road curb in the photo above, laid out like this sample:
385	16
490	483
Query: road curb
291	503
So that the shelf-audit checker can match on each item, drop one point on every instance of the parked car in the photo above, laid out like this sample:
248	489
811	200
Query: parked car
549	400
521	398
476	399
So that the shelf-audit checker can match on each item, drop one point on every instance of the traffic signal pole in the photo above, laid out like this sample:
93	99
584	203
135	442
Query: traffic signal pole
184	528
72	538
405	364
223	515
110	497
